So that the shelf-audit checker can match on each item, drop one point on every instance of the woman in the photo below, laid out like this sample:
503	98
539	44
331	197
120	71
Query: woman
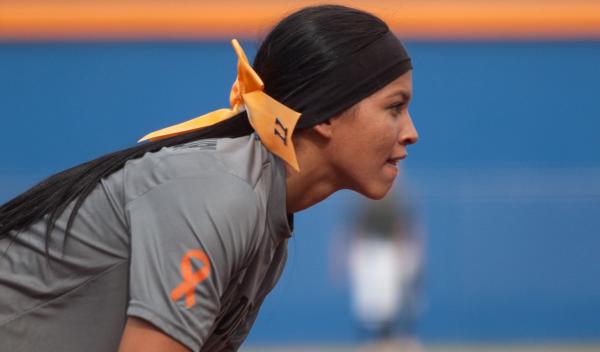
172	245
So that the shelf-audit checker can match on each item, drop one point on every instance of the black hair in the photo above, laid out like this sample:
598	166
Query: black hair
300	48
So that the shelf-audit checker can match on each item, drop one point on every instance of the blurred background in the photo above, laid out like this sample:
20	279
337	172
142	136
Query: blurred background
503	186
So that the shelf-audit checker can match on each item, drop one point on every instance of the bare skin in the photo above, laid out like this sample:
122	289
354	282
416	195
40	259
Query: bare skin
358	150
140	335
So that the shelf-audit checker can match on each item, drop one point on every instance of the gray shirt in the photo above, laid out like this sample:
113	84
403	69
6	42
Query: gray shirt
190	238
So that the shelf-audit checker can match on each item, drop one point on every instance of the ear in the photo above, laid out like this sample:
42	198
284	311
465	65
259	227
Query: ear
324	129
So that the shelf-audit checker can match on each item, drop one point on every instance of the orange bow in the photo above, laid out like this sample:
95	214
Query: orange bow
273	121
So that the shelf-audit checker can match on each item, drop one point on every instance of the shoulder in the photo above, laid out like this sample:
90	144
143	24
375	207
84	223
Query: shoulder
209	191
216	212
224	165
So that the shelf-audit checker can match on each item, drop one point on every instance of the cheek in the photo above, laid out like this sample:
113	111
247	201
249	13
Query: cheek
384	137
369	141
370	151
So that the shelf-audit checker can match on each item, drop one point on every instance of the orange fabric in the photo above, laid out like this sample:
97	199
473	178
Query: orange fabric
191	278
272	121
418	19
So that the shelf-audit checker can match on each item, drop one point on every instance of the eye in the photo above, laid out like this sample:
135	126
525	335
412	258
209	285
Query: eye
396	108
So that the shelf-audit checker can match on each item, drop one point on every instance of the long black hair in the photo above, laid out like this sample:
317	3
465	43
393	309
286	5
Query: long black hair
299	49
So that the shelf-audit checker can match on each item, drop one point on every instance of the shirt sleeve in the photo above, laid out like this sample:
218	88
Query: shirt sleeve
188	237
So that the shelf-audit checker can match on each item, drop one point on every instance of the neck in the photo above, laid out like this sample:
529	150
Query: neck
313	183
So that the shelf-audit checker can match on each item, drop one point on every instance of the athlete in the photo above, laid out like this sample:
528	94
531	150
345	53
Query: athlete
173	244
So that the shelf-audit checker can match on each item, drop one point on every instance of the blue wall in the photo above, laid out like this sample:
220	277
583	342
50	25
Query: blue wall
506	175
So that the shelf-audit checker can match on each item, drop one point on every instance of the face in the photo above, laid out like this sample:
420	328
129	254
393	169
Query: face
368	140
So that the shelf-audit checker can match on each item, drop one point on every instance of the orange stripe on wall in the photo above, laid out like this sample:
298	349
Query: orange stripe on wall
178	19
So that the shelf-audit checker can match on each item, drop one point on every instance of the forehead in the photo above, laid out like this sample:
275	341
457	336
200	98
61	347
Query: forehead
401	85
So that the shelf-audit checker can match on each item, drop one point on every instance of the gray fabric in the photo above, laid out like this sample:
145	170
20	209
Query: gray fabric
123	258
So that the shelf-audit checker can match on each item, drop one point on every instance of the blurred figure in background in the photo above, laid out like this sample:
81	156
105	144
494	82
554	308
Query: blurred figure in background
384	261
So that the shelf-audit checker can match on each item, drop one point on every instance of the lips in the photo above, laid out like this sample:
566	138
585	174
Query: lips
395	160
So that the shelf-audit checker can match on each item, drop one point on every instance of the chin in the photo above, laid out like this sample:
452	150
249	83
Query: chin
375	191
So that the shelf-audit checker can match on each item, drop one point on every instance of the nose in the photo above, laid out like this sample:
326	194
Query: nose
408	133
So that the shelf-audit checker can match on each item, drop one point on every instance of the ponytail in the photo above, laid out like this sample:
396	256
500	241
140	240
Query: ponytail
53	195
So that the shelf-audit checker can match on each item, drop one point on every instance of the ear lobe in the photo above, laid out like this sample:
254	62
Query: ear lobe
324	129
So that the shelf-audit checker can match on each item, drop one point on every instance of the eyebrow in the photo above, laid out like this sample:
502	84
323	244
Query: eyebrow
402	93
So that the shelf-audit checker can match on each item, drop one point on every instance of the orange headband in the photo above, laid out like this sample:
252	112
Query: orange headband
273	122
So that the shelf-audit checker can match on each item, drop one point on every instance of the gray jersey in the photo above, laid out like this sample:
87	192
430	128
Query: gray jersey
190	238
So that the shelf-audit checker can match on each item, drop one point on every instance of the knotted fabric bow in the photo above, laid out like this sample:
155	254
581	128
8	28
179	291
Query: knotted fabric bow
273	121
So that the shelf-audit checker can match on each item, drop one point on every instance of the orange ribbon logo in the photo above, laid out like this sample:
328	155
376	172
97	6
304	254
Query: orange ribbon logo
191	278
